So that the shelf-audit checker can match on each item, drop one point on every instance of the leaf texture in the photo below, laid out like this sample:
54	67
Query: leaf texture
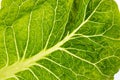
59	40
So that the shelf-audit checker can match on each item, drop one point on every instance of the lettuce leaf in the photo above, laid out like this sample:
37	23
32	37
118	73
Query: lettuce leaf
59	39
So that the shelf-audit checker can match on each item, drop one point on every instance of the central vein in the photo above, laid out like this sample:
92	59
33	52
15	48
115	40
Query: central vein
10	71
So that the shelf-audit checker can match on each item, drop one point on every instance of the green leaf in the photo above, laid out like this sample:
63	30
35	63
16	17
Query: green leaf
59	40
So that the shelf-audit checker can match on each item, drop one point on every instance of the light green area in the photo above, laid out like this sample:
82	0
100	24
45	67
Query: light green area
59	40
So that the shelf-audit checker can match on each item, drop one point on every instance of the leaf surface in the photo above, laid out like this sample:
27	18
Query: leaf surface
59	40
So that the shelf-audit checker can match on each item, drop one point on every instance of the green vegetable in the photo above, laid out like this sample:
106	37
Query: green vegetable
59	40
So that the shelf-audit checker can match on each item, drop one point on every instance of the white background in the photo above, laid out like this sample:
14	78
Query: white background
117	75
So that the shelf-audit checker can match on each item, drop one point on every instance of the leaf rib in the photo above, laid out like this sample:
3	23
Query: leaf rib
112	56
54	21
62	49
61	66
6	51
16	77
41	66
16	46
33	74
28	37
28	32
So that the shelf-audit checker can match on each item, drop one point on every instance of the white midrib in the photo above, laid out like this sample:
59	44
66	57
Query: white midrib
10	71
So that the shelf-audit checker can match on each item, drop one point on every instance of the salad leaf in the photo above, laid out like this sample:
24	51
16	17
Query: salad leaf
59	39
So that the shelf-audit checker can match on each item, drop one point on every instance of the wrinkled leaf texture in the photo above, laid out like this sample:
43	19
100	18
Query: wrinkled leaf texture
59	40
